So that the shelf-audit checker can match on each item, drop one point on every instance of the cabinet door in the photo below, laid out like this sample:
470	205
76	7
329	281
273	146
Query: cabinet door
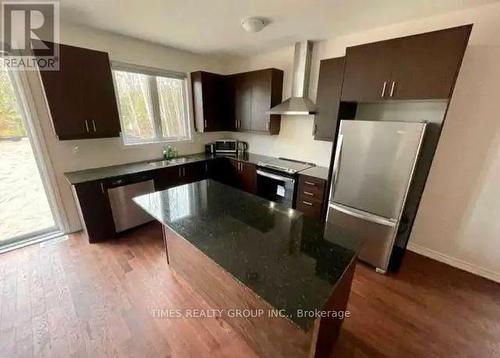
248	177
331	73
95	210
426	65
261	100
194	172
81	95
211	100
233	173
223	170
242	84
64	94
166	178
100	101
367	68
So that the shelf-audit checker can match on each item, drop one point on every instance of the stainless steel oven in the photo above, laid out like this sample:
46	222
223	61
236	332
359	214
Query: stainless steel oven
276	186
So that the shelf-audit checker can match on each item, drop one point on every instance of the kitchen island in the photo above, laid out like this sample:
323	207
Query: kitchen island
280	279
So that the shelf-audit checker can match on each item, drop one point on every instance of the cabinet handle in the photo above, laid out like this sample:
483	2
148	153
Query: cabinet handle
180	172
308	203
93	125
183	172
383	89
308	193
205	122
310	183
236	123
315	128
102	187
87	126
392	88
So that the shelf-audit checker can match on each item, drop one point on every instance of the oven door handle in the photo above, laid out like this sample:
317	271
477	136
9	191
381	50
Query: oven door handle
274	176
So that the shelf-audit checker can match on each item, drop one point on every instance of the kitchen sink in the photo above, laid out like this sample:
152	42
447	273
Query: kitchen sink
166	163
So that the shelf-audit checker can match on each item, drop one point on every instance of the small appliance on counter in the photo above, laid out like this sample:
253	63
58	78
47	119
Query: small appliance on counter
226	146
242	147
210	148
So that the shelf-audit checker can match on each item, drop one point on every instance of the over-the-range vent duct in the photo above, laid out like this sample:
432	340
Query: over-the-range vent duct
299	103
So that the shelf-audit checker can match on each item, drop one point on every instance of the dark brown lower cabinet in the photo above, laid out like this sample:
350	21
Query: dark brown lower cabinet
95	210
166	178
95	207
247	175
182	174
311	196
193	172
223	170
243	175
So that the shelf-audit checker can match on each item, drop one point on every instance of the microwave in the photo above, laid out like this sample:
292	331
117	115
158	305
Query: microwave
226	146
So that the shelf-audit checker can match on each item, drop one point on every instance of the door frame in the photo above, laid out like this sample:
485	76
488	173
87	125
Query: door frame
27	108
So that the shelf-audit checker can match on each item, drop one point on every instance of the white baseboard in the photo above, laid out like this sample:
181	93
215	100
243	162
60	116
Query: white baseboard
452	261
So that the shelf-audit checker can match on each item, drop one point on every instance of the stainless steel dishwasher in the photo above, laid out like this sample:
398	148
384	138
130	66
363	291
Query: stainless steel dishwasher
126	214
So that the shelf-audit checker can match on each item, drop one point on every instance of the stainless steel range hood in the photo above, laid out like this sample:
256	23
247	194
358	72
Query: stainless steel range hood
299	103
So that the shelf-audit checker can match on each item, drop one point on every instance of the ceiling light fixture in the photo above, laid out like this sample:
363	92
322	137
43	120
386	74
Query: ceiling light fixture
253	24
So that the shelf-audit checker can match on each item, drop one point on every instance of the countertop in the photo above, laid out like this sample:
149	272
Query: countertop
87	175
290	260
317	172
114	171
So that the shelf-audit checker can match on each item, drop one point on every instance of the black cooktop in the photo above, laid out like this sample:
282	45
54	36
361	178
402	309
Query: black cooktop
285	165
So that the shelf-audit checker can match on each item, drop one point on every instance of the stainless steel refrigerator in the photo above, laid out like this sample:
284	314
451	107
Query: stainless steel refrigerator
373	168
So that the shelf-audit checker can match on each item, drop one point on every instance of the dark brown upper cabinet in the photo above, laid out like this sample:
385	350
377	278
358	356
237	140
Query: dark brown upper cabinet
423	66
237	102
254	94
242	94
267	91
367	72
331	73
81	96
427	65
212	102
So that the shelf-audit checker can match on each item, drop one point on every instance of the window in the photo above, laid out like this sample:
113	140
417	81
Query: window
152	103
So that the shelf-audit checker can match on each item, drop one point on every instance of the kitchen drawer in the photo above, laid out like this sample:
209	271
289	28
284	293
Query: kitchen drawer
309	207
309	194
311	187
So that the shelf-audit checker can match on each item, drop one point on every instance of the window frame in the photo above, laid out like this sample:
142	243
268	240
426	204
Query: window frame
154	96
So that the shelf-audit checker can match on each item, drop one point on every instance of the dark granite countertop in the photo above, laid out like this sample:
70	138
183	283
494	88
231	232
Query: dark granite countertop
317	172
87	175
290	260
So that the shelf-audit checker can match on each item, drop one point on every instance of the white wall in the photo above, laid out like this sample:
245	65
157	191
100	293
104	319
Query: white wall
458	220
82	154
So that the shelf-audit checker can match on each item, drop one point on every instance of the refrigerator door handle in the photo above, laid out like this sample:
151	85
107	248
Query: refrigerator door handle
364	215
336	165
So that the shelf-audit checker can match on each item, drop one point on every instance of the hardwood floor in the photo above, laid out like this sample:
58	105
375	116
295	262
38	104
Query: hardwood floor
70	298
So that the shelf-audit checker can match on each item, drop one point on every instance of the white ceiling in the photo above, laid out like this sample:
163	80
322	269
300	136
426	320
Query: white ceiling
213	26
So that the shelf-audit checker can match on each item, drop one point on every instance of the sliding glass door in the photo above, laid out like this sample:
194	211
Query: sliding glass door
25	209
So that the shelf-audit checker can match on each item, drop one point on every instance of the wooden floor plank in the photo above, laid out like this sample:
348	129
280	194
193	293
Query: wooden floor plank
73	299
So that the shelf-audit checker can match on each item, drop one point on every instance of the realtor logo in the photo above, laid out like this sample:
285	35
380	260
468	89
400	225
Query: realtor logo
30	34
